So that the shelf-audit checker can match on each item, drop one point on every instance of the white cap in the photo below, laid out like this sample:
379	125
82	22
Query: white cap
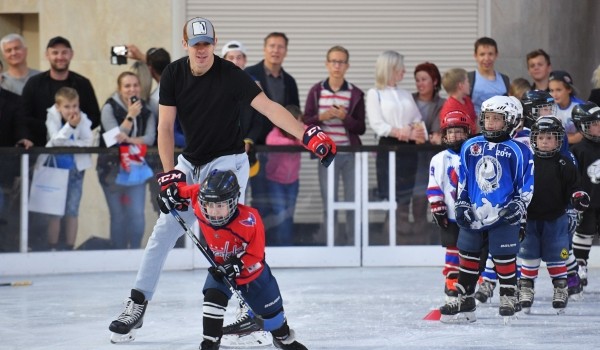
233	45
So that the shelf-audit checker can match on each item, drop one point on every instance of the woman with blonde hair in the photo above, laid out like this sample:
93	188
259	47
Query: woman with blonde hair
395	118
595	93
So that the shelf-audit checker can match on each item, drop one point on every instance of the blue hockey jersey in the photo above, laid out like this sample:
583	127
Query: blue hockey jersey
493	174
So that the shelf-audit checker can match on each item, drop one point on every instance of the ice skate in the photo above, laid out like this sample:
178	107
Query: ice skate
450	289
459	310
485	291
125	326
508	300
208	344
244	333
574	287
289	342
582	272
526	294
561	295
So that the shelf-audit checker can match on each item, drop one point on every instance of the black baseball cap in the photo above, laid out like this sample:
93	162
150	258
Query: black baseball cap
58	40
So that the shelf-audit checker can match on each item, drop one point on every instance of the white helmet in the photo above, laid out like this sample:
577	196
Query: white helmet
510	108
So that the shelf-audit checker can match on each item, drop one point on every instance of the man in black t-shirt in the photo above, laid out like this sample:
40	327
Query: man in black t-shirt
205	92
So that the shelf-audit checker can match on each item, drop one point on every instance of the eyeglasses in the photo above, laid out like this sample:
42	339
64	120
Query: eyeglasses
336	62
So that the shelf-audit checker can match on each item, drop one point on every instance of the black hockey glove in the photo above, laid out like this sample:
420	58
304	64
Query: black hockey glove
230	269
580	200
440	214
464	214
513	212
169	198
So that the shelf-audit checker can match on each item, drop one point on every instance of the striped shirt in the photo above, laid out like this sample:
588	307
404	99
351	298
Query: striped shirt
335	127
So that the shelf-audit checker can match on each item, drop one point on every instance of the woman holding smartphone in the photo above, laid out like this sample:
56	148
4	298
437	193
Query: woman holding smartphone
137	128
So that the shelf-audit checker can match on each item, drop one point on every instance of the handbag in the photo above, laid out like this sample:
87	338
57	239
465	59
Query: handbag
49	185
133	169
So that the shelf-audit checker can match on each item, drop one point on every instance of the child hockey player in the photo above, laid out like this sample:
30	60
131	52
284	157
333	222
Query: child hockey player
547	236
441	191
235	236
494	189
586	117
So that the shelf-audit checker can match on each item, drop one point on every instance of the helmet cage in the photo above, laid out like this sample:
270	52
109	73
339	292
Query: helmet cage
584	115
547	125
220	190
585	130
509	107
455	119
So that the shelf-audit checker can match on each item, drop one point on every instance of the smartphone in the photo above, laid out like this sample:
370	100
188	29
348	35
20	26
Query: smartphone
335	106
118	54
134	99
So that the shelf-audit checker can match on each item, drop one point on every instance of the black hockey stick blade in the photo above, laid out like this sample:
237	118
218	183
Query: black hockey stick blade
259	320
16	284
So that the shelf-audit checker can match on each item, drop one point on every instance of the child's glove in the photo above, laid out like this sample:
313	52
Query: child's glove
580	200
513	212
231	269
464	214
440	214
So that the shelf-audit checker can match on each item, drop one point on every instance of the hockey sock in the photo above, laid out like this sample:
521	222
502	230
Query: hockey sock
557	269
452	261
213	314
582	244
137	296
530	268
506	267
282	332
469	270
489	273
571	263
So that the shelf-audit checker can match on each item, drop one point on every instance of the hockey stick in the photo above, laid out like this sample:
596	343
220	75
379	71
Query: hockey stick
259	320
16	284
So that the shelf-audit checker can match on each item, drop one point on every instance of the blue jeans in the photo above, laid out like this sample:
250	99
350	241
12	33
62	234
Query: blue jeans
283	204
126	207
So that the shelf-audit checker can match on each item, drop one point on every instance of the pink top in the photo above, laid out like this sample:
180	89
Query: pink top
282	167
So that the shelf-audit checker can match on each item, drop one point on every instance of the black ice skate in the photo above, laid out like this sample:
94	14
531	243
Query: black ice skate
124	327
244	332
485	291
289	342
561	295
582	271
526	294
208	344
461	309
508	301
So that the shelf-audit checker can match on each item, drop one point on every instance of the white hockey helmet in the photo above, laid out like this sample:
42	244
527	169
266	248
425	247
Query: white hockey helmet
510	108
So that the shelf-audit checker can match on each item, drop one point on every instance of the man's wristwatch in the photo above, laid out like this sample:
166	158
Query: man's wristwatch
129	119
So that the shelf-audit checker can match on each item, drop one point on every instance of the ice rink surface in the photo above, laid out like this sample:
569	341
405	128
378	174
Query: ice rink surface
330	308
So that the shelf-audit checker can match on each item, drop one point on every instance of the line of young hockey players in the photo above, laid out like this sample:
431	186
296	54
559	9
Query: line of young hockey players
484	206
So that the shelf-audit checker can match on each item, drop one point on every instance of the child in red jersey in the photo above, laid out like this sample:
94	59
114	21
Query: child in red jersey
235	236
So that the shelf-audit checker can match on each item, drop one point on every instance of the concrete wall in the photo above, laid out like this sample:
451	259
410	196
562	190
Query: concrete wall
565	29
92	27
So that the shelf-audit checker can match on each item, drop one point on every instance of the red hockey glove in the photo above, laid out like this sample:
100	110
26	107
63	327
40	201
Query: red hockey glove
169	196
321	145
440	214
580	200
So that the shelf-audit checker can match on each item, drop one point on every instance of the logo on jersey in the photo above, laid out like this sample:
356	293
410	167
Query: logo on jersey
564	254
593	172
475	149
453	179
250	221
488	173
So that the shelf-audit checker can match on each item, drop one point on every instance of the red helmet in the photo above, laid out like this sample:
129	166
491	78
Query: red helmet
455	119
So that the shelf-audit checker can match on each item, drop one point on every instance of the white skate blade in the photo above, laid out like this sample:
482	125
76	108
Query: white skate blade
507	320
258	339
116	338
463	317
526	310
